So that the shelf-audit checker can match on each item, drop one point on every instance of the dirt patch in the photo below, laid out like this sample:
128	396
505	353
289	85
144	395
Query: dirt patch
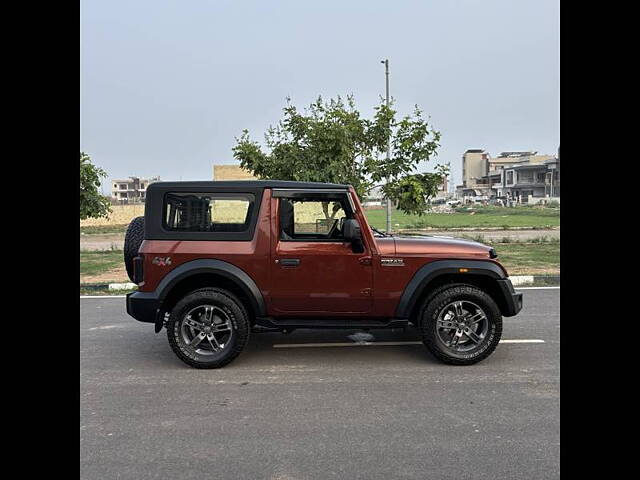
102	242
531	270
114	275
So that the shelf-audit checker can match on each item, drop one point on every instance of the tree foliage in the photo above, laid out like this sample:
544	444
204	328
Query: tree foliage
92	203
331	142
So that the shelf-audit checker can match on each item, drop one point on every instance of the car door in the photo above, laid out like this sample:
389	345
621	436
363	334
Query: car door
314	270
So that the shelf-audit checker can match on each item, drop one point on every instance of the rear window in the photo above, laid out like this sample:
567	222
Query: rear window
207	212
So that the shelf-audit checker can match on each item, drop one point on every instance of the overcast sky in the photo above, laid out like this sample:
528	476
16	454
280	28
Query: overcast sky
166	86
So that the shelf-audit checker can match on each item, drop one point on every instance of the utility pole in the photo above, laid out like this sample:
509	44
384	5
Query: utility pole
386	68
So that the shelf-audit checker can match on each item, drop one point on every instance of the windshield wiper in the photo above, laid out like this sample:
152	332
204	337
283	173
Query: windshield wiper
381	233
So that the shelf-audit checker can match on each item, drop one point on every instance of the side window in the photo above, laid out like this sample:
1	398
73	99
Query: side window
312	219
207	212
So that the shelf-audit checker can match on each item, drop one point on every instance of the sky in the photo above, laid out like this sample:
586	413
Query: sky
167	86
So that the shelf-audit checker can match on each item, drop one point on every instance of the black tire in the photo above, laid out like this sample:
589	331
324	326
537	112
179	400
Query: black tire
439	311
132	241
226	304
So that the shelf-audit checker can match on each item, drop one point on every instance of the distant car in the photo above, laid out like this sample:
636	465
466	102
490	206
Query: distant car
215	261
453	203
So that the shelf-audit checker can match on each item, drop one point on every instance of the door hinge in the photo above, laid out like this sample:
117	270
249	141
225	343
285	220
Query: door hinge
365	260
366	292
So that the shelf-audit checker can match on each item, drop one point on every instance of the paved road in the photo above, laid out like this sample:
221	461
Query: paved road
386	412
116	240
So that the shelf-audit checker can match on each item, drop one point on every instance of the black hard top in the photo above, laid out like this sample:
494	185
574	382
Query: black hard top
246	184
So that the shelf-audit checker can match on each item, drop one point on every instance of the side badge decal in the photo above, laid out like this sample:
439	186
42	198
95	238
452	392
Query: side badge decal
161	261
392	262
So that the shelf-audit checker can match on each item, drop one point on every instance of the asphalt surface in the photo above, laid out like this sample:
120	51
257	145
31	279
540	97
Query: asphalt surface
370	412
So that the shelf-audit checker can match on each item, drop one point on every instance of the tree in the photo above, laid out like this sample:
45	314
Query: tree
92	203
331	142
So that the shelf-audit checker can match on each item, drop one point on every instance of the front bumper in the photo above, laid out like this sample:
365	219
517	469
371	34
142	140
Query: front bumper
143	306
512	299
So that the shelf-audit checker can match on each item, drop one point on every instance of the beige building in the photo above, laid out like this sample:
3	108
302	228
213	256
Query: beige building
522	177
231	172
513	159
474	166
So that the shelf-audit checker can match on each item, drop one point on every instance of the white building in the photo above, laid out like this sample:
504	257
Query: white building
131	190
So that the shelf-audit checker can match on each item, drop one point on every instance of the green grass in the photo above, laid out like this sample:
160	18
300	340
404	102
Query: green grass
103	229
530	258
500	217
483	216
94	263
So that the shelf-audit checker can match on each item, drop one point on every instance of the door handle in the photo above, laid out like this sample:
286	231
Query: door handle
290	262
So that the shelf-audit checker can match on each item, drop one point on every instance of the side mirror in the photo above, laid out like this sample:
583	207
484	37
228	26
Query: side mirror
351	230
352	233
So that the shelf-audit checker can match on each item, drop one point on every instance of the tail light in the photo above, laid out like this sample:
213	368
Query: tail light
138	268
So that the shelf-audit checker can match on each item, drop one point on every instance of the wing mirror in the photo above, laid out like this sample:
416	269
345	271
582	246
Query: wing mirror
352	233
351	230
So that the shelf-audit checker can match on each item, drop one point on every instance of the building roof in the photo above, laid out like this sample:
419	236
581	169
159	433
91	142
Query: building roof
516	154
527	166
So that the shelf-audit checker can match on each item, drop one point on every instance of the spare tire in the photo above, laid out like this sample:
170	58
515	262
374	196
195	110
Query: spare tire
132	241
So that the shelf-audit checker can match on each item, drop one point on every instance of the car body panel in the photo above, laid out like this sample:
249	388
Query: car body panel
330	279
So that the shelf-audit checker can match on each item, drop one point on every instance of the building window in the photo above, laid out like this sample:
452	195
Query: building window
510	178
207	212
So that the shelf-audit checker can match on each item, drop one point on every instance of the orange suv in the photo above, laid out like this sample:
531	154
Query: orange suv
215	261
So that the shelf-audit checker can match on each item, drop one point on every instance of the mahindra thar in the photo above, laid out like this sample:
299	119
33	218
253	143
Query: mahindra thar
216	261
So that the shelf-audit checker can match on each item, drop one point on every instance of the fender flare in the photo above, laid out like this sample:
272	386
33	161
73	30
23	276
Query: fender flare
429	272
219	267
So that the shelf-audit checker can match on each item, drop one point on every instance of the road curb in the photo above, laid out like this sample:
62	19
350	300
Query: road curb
527	280
108	286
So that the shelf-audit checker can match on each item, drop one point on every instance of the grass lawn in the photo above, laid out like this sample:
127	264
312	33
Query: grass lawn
103	229
482	217
530	258
97	263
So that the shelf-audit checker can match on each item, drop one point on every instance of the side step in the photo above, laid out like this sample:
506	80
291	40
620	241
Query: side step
269	324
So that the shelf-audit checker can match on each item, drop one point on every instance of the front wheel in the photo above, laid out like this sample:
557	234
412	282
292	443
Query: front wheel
461	325
208	328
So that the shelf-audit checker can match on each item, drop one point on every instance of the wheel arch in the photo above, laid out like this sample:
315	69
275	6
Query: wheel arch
201	273
434	275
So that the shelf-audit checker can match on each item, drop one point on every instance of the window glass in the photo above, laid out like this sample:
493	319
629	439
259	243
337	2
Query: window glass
311	219
207	212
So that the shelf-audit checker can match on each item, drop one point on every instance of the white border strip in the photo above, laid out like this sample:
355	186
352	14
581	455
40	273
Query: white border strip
536	288
102	296
382	344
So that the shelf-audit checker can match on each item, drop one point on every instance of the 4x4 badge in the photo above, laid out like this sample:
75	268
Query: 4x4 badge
392	262
161	261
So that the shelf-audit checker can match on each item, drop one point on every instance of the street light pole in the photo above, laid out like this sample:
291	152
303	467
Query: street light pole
386	68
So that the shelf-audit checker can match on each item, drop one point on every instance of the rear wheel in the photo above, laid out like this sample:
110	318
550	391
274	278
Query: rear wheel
461	325
208	328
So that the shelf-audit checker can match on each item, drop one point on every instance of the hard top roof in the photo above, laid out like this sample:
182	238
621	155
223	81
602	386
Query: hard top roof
246	184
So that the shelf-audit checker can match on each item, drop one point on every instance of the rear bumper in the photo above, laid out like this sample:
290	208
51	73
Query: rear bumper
512	299
143	306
